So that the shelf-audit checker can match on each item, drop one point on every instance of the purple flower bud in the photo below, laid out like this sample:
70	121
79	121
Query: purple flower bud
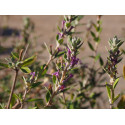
69	77
68	53
59	49
62	87
56	74
60	35
74	61
33	75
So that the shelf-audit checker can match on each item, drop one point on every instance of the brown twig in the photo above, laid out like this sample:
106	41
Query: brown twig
15	79
12	89
24	97
50	101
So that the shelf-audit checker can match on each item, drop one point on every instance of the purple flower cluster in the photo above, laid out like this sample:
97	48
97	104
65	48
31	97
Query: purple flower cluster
74	61
56	74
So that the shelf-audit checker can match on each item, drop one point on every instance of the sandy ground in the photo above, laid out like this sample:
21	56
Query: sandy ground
45	26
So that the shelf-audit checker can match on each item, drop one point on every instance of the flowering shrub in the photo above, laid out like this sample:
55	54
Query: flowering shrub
65	80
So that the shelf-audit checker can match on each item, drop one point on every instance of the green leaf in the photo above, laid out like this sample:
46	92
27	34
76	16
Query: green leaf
108	90
28	61
2	106
79	46
97	57
97	39
115	83
35	84
68	25
91	46
34	100
15	55
43	71
59	29
116	97
119	60
54	79
60	41
3	65
25	70
99	29
101	61
93	34
17	97
57	37
59	54
48	96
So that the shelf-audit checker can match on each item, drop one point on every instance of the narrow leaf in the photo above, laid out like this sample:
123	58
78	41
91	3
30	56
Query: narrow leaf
54	79
108	91
91	46
25	70
97	57
48	96
101	61
28	61
59	54
116	97
15	55
3	65
36	84
115	83
93	34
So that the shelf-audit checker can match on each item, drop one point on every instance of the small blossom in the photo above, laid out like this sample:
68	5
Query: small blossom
56	74
62	87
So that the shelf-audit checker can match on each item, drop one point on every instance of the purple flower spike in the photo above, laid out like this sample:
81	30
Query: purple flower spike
68	53
74	61
33	74
56	74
